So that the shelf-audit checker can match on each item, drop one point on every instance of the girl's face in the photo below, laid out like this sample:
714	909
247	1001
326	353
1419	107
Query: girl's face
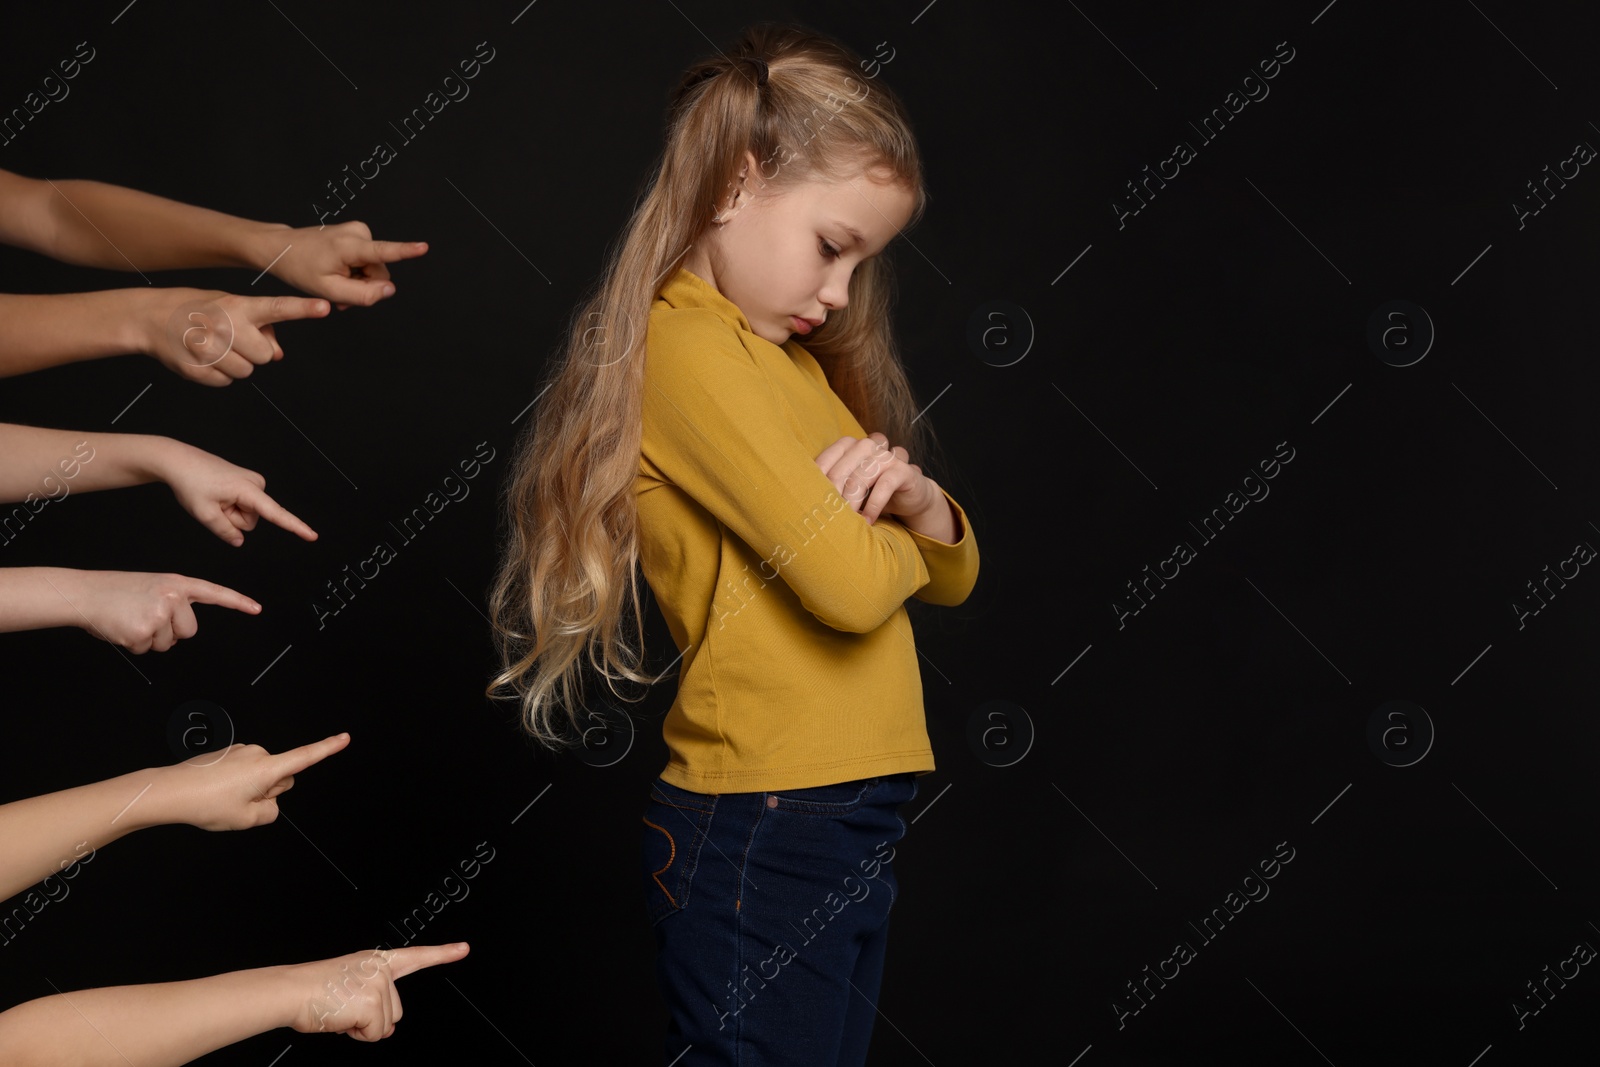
784	256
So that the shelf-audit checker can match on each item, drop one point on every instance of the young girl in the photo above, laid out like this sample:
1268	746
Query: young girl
688	431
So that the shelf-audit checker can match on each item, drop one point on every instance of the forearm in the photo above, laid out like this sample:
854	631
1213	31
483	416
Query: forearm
45	462
37	598
937	522
155	1025
45	835
38	331
97	224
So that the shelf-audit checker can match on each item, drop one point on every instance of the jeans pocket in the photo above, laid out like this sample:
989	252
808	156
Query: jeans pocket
676	822
837	799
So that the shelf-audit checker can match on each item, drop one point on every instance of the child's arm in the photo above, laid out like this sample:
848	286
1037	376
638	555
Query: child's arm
231	790
170	1023
133	609
715	428
227	499
96	224
204	335
942	534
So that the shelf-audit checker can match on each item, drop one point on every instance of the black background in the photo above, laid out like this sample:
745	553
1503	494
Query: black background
1228	716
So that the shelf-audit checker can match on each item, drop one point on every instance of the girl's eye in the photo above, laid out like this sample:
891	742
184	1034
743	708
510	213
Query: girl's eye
828	251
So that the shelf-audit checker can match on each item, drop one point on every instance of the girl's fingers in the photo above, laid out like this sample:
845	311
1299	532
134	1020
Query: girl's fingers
296	760
184	624
217	522
269	509
403	961
204	592
269	309
271	335
392	251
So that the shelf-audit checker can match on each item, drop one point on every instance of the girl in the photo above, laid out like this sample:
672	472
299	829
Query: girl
688	431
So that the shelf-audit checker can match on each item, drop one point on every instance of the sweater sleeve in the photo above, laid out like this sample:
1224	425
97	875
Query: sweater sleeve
716	427
952	566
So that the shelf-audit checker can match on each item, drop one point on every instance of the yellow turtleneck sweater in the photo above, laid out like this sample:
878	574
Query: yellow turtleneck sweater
798	664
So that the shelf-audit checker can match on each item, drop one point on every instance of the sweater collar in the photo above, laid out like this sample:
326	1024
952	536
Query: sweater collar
686	289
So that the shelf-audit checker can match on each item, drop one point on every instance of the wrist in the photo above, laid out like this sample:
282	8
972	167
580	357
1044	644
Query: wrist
151	799
150	458
261	243
68	596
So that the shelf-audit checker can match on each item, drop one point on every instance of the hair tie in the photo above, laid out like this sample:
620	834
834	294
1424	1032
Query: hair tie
761	71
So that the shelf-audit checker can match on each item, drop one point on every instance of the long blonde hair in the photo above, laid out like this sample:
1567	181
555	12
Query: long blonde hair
571	551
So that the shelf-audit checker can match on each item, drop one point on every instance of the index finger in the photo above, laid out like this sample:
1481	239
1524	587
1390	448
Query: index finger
204	592
296	760
402	961
269	309
277	514
393	251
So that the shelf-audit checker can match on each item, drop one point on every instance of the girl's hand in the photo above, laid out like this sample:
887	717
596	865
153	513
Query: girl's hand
876	479
140	611
341	262
236	789
212	337
355	994
225	498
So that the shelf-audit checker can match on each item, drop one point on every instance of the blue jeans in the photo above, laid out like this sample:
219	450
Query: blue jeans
771	915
